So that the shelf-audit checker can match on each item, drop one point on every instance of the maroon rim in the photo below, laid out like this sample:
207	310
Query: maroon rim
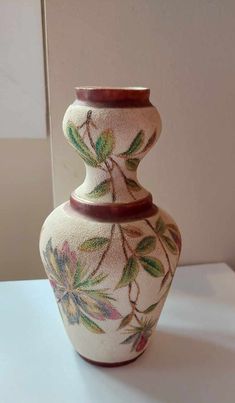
113	96
110	364
115	212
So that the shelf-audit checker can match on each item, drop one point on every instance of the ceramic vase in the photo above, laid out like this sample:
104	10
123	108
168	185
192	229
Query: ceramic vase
110	254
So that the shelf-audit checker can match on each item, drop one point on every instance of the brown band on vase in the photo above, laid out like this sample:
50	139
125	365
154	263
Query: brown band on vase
113	97
115	212
110	364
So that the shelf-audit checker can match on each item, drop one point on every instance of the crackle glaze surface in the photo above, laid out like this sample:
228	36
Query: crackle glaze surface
110	279
112	143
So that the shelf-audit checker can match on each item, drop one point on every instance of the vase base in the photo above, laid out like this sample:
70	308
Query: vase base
110	364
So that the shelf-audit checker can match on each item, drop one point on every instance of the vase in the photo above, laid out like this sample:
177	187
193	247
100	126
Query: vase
110	254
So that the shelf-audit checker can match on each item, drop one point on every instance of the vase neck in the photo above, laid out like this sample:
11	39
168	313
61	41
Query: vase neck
111	182
112	141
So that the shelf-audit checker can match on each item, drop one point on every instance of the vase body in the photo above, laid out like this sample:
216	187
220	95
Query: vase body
110	254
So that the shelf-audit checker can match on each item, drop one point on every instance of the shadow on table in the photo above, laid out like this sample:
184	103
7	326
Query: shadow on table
176	369
198	282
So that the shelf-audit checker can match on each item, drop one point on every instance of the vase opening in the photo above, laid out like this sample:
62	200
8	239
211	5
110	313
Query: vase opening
114	96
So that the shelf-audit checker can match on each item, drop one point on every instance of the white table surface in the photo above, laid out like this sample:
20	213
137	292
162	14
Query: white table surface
191	359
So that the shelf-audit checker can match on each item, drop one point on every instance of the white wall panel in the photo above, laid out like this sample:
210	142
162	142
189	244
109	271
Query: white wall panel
184	51
22	86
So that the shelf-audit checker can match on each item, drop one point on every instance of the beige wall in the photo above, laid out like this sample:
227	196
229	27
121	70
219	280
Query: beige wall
184	51
26	200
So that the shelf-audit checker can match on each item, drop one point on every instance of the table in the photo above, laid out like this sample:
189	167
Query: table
191	360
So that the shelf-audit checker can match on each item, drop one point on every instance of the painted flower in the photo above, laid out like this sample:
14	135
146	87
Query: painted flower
139	335
76	290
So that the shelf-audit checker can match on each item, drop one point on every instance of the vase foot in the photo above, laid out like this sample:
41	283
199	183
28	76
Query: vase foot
110	364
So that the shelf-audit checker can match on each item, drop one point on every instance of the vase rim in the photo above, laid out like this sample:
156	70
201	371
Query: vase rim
114	96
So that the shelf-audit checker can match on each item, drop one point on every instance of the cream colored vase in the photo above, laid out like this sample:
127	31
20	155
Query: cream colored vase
110	254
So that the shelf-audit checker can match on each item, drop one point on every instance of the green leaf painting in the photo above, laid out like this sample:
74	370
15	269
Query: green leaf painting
129	273
100	190
78	143
170	244
173	228
132	231
174	232
80	274
80	292
150	308
104	145
97	151
152	265
130	338
150	142
132	185
160	226
154	306
126	320
132	164
75	288
91	325
93	244
146	245
135	145
92	281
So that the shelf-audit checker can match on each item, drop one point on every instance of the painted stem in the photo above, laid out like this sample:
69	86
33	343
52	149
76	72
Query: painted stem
138	291
137	319
123	176
167	256
123	242
160	298
132	303
105	252
112	181
87	124
89	121
162	245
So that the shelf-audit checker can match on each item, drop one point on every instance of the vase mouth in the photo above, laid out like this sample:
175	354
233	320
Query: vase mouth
114	96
